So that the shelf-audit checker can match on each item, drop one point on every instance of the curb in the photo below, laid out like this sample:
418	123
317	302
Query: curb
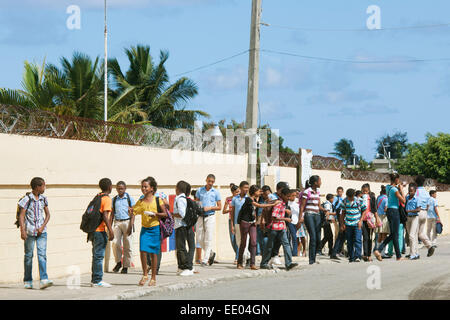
138	293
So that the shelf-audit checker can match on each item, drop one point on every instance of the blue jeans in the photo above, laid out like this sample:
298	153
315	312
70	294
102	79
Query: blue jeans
394	225
233	240
259	241
354	241
281	236
41	245
312	222
99	241
293	238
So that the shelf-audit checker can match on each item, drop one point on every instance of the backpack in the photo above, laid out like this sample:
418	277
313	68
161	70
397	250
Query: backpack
247	208
115	199
193	211
17	223
92	217
166	225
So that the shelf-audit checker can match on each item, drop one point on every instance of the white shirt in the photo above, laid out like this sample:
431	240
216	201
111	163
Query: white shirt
179	207
295	211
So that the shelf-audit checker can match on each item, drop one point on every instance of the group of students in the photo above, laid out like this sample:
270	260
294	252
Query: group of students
260	223
117	225
286	217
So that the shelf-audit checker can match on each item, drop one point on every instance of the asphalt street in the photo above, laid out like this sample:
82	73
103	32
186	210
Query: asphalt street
426	278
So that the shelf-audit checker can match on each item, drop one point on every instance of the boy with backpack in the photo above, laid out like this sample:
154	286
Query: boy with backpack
185	219
122	205
95	221
33	229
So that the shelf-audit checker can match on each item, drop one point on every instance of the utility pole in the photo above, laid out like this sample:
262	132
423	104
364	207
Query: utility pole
251	121
106	69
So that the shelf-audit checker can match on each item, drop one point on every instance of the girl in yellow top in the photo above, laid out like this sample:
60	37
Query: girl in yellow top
150	241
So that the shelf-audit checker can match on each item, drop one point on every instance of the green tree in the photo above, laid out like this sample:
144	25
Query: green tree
396	144
344	150
75	89
431	159
144	92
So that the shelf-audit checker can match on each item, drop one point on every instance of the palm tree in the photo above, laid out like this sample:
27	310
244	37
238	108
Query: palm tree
76	89
37	91
144	93
344	150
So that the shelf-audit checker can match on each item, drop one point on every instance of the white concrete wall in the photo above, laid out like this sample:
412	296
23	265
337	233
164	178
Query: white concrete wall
72	170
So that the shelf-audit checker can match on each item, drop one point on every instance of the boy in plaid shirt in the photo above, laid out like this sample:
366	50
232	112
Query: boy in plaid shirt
277	231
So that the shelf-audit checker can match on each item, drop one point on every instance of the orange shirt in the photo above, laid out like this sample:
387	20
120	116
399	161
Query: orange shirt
105	206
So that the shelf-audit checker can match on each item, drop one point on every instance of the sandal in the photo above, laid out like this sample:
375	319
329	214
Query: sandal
152	283
143	281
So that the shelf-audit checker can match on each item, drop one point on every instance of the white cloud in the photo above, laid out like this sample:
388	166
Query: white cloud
226	79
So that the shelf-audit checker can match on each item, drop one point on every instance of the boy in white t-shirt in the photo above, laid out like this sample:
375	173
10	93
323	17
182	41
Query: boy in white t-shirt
294	211
330	218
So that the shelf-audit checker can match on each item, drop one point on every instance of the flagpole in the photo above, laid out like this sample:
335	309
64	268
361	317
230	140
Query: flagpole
106	68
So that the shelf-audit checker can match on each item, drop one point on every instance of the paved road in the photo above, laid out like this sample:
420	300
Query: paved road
427	278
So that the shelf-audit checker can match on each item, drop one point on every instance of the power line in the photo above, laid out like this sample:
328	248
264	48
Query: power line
441	25
213	63
353	61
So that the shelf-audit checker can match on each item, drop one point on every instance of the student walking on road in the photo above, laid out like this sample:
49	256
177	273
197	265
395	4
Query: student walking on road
423	198
329	220
352	210
227	210
277	230
395	196
247	225
183	233
100	237
412	225
210	200
33	219
310	214
432	218
151	212
122	205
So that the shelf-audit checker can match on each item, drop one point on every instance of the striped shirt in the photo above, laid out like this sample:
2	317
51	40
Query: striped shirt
35	215
312	200
352	210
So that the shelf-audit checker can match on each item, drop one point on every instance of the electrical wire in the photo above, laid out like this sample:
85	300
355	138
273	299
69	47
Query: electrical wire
441	25
354	61
213	63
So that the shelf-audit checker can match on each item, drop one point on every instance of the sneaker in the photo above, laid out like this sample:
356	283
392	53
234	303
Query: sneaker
409	256
45	284
28	285
414	258
124	271
117	267
357	260
101	284
276	261
211	258
291	266
187	272
335	258
430	252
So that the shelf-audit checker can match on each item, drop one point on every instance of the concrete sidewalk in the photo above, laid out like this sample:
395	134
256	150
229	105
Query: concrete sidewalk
125	285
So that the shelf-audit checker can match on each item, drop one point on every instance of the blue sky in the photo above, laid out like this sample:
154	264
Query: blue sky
313	103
